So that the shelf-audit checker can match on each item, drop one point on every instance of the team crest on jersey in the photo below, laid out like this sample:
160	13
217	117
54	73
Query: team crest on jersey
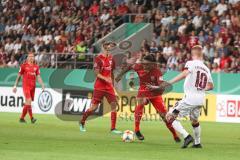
95	65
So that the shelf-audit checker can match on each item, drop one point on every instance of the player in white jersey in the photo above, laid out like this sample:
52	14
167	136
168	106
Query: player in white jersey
197	80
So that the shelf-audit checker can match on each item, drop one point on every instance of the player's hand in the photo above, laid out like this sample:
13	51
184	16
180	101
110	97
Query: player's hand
118	78
14	89
163	85
152	87
43	88
108	79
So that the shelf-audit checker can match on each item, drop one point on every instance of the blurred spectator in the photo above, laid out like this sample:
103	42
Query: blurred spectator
172	61
225	62
215	68
221	8
70	27
13	63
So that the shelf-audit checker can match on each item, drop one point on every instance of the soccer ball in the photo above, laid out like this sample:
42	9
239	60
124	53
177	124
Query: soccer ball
128	136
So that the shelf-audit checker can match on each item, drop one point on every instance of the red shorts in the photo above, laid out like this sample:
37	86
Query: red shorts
157	103
98	95
29	92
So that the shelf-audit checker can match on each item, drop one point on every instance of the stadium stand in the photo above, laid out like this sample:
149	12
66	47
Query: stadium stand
61	32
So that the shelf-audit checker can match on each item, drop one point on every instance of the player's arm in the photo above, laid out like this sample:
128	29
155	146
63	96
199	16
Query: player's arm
100	76
16	82
209	86
179	77
163	85
40	81
112	76
119	76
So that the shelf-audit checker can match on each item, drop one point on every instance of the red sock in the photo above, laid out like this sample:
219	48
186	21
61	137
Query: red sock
85	116
171	129
24	112
29	108
113	120
138	116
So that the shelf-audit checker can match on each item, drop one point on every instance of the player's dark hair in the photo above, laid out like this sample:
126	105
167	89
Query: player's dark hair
150	58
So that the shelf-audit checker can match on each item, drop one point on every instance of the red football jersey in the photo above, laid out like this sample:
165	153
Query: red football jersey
105	65
154	77
29	73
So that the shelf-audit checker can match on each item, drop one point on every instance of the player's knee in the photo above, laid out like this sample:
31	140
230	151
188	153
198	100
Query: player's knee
114	106
28	101
170	117
162	115
93	107
195	122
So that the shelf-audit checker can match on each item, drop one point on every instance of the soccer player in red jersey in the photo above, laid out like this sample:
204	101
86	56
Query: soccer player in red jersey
103	67
29	71
148	73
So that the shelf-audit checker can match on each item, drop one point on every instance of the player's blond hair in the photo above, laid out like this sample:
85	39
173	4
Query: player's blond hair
199	49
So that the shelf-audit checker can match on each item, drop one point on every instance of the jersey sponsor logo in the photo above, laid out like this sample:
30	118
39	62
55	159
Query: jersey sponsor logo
108	68
45	101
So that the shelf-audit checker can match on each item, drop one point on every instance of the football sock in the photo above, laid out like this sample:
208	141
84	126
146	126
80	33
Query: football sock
178	127
24	112
113	120
85	116
171	129
138	116
29	109
196	133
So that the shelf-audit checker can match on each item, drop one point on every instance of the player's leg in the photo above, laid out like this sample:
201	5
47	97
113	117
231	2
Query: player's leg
181	109
26	105
194	114
161	109
97	97
138	116
32	93
112	100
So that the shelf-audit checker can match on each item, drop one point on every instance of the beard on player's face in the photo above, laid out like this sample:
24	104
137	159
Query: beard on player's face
147	65
30	59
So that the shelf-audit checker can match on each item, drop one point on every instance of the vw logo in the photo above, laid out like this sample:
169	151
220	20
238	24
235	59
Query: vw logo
45	101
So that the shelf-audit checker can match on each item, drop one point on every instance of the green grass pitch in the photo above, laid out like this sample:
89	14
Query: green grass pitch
52	139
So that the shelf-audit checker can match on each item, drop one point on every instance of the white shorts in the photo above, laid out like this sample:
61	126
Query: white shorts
187	110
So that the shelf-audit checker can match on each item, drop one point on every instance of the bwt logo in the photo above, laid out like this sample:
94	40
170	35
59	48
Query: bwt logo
76	105
233	108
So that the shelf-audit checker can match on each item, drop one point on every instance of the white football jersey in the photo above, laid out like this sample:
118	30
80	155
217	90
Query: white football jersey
195	82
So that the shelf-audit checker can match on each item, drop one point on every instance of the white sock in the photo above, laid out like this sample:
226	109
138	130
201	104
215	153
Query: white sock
179	128
197	134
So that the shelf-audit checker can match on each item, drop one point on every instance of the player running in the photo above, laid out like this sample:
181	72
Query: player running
148	74
29	71
103	67
198	80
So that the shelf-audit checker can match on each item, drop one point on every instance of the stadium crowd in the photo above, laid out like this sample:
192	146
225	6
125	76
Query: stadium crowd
70	27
